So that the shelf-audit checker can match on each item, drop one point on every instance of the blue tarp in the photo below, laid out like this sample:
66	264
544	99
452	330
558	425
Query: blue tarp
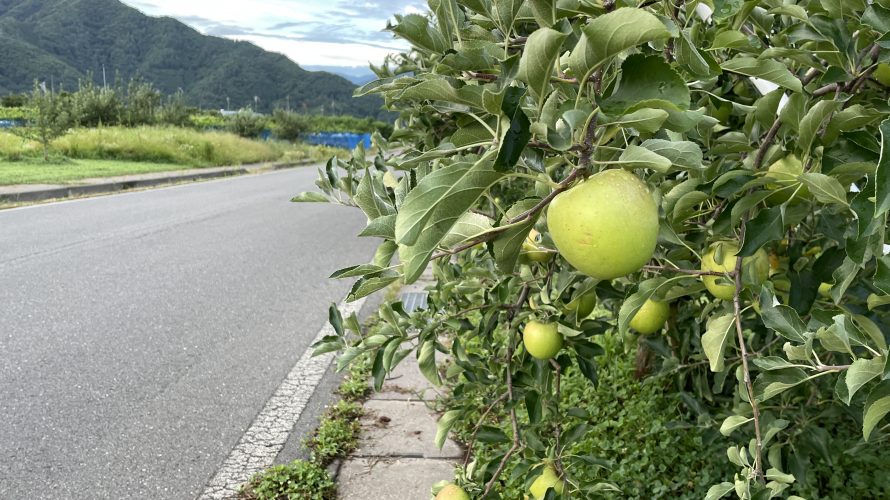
11	123
339	139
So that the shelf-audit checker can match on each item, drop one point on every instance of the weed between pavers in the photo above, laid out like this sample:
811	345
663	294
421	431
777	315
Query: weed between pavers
336	436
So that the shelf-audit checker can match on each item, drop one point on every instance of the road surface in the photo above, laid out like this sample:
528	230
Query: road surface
140	334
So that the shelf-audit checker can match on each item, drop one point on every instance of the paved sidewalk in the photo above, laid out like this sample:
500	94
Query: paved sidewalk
104	185
397	458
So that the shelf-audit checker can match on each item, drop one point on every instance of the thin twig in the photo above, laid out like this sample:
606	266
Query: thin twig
558	430
692	272
767	142
737	309
523	297
479	425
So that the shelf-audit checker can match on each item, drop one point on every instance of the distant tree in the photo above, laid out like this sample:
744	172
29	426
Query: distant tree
50	117
94	106
143	103
246	123
175	111
289	126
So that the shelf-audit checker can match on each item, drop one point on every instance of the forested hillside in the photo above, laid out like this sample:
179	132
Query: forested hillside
64	41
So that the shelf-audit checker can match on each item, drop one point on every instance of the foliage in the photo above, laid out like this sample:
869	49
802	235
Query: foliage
288	126
300	479
49	118
337	433
504	105
213	73
247	124
13	101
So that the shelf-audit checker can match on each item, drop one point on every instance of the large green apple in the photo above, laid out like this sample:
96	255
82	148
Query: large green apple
606	226
651	317
583	305
542	340
754	267
547	479
452	492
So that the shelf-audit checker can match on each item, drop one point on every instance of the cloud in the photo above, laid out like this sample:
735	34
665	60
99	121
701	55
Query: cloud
313	32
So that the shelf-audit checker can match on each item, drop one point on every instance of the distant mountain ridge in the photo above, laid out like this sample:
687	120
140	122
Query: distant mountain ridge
62	41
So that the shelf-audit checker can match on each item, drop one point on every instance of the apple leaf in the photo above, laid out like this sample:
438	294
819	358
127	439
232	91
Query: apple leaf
610	34
882	178
647	82
861	372
768	69
715	339
537	62
876	407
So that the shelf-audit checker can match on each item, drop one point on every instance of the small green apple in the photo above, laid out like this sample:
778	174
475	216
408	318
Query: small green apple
541	340
452	492
651	317
756	267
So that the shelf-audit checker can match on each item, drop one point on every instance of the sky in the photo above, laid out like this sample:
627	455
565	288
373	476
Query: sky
343	33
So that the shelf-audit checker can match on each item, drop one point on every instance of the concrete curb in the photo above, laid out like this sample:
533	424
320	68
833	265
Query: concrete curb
136	182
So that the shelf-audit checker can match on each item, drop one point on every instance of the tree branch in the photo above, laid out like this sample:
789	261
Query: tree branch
479	425
767	142
737	310
691	272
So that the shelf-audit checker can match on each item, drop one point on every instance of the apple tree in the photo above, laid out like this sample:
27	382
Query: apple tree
707	180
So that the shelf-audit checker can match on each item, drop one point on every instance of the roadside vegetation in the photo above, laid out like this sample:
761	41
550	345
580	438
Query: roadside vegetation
130	129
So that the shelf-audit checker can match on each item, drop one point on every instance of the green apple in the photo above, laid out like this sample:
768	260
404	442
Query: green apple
825	289
882	74
756	267
452	492
651	317
606	226
532	251
541	340
786	172
547	479
583	305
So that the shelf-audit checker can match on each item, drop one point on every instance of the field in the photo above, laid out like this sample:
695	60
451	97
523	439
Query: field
111	151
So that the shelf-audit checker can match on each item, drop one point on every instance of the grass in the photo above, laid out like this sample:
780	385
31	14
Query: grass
110	151
40	172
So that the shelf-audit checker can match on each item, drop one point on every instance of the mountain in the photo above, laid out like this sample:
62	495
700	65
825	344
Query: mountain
356	75
63	41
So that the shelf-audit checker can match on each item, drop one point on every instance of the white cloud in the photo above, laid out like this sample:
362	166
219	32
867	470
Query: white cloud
310	32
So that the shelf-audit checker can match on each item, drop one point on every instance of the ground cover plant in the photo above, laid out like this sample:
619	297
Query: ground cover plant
719	169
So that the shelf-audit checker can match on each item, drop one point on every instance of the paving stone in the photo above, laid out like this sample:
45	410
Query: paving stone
406	383
391	479
401	429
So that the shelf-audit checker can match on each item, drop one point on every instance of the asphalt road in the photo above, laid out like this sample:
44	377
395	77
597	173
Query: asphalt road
140	334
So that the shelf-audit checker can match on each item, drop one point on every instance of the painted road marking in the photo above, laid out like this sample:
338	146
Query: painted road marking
266	436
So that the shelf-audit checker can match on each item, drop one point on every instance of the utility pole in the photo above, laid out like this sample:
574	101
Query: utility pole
104	81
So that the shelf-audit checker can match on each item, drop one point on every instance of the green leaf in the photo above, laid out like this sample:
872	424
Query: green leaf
444	425
647	82
773	383
335	319
610	34
812	123
371	197
433	207
449	17
824	188
537	62
438	88
770	363
508	245
767	69
732	423
861	372
876	407
310	197
691	58
719	491
469	226
417	30
489	434
882	179
792	11
683	154
644	120
370	284
640	157
715	339
768	225
504	13
779	476
784	320
516	137
426	359
544	11
381	227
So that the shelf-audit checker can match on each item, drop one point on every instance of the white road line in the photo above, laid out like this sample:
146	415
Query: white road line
262	442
